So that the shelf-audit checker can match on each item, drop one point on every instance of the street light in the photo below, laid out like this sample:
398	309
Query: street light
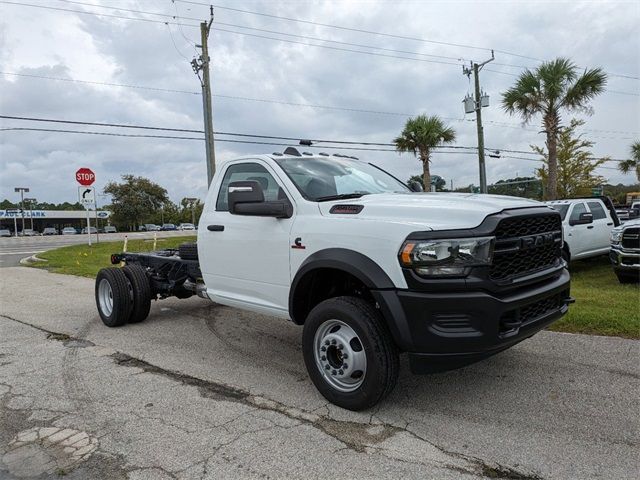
22	191
31	202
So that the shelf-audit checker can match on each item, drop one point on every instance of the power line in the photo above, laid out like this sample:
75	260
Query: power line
184	130
540	160
383	34
325	147
84	12
271	31
252	142
296	104
357	30
249	135
299	36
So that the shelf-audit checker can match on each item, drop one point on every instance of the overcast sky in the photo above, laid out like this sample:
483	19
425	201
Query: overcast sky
258	71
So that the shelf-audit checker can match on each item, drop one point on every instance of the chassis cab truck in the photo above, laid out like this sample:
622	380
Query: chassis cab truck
367	267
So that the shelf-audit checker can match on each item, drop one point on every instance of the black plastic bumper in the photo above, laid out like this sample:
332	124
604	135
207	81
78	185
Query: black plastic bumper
443	331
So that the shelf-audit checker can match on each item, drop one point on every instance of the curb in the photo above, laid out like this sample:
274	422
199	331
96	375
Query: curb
32	259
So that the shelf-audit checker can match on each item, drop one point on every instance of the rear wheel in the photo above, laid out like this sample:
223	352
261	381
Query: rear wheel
349	353
140	292
113	296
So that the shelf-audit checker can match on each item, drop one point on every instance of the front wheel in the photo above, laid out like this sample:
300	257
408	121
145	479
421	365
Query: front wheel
349	353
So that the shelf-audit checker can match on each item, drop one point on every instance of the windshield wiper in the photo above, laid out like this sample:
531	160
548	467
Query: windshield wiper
341	196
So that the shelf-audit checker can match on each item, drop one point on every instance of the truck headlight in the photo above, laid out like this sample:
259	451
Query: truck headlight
446	257
616	237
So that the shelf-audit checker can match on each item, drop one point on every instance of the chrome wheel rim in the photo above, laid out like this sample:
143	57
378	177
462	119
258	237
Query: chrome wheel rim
105	297
340	356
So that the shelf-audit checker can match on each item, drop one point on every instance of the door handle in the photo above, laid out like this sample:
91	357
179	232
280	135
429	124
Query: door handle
591	226
215	228
609	224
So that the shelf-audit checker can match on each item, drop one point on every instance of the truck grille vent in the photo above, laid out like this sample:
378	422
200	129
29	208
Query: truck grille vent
631	238
526	245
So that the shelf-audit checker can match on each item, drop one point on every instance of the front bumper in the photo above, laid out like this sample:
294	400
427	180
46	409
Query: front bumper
442	330
625	260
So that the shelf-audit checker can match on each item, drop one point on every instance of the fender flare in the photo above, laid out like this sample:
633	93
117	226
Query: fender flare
349	261
370	274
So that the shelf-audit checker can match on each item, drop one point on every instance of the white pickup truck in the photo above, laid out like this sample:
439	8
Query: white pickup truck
587	225
369	267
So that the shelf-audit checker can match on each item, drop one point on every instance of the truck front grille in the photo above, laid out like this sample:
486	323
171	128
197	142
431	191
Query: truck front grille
631	238
526	245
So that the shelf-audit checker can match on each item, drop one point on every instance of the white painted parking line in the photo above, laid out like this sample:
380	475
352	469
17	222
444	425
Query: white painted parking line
21	253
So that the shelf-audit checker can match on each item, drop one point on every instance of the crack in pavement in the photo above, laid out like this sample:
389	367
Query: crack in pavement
366	438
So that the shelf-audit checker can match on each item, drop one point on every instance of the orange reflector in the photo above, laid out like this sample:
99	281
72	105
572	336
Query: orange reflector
406	253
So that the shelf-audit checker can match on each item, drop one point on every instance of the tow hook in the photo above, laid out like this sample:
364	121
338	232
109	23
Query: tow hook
569	300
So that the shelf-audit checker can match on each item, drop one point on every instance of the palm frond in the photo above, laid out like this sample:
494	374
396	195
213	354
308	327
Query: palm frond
590	84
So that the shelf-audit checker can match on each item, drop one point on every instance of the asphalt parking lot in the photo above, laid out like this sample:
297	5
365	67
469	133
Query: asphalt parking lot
13	249
204	391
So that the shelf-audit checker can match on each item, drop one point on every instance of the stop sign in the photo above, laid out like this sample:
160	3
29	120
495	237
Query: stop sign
85	176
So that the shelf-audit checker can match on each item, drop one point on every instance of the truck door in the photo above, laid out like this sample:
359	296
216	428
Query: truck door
602	224
245	259
579	237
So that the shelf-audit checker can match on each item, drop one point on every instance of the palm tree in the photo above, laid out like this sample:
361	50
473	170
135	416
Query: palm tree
420	135
633	163
552	87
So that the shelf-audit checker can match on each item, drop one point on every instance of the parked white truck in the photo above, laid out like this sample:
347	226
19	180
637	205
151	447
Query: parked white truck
368	267
587	224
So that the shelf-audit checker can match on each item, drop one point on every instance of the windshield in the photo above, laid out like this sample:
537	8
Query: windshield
562	208
330	178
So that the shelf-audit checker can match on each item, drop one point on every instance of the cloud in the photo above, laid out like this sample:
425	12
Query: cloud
67	45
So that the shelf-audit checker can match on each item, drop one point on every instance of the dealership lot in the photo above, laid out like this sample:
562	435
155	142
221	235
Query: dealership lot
204	391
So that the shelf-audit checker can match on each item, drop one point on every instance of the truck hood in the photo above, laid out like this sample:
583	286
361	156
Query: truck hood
435	211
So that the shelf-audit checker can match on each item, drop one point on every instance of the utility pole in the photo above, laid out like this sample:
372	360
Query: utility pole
22	190
201	64
479	99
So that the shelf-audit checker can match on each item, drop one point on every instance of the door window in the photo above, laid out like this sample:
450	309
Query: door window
578	208
243	172
597	210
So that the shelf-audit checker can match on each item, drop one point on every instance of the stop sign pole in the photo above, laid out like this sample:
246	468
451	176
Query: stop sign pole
86	177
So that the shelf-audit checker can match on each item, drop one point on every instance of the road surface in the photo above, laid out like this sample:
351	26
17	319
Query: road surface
201	391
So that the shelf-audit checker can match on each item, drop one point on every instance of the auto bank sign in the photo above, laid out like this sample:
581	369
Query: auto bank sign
52	214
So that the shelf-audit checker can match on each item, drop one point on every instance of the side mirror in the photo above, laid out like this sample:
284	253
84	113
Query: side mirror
583	219
247	198
415	186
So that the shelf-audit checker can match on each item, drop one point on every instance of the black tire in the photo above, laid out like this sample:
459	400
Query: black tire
188	251
113	284
628	277
382	363
141	292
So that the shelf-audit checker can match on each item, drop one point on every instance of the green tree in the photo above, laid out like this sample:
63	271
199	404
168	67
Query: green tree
191	209
135	199
633	164
552	87
526	187
575	163
420	135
